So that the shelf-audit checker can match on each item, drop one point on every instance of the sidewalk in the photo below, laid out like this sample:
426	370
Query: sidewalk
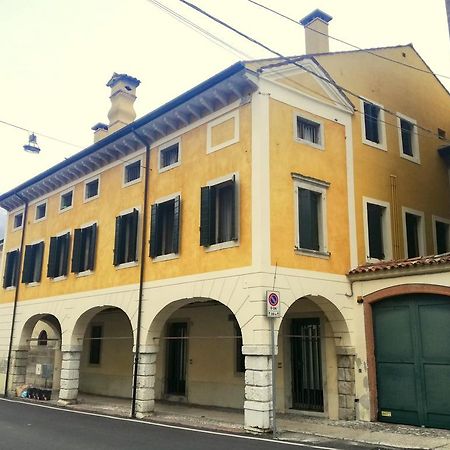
291	427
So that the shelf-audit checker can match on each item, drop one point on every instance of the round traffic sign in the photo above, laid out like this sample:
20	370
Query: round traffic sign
273	299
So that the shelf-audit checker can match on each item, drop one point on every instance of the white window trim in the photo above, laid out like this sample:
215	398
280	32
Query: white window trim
127	163
138	238
63	210
45	202
85	200
165	146
387	232
420	231
414	139
14	228
435	219
209	147
321	144
382	126
312	184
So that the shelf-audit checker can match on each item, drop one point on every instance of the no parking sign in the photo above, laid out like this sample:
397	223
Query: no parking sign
273	303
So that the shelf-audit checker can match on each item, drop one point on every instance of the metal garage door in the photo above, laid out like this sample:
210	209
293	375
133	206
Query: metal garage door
412	350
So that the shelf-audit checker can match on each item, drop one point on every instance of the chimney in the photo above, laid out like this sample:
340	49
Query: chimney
316	31
123	95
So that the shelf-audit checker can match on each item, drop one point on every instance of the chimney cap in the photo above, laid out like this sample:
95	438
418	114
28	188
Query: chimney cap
99	126
117	77
316	14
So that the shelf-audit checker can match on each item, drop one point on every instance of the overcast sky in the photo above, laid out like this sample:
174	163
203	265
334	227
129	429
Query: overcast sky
56	57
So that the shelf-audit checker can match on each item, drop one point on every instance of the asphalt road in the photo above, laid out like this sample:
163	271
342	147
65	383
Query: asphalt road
26	426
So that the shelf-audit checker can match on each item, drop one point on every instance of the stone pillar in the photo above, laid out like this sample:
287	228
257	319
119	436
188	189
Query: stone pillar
258	389
70	376
346	382
145	389
18	370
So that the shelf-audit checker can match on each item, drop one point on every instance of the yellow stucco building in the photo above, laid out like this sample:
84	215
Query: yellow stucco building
147	256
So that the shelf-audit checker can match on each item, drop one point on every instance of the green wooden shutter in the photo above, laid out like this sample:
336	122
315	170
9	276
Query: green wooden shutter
234	234
205	219
92	246
52	258
38	258
371	113
65	241
132	245
118	246
176	224
77	250
308	219
154	231
10	269
27	271
375	230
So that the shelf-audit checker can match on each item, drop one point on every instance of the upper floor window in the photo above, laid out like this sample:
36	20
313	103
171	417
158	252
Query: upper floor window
132	172
91	189
18	221
41	211
84	243
165	228
11	269
218	213
58	256
169	156
309	131
373	125
414	233
66	200
409	143
125	242
32	264
377	228
442	235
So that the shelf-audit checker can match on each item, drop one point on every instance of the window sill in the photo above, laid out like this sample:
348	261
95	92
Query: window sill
379	146
167	168
60	278
413	159
85	273
222	246
313	253
127	265
33	284
131	183
309	143
67	208
10	288
89	199
41	219
168	257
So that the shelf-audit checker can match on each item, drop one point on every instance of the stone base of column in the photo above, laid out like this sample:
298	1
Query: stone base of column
18	371
70	373
145	388
346	383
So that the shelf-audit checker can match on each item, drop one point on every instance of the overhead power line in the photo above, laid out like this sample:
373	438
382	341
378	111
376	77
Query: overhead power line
294	61
370	52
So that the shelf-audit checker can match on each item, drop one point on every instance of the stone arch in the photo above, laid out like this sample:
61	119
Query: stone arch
30	324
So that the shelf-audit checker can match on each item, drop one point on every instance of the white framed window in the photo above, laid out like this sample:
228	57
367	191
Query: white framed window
408	138
84	248
12	259
413	232
126	239
58	258
308	131
40	212
91	189
377	229
66	200
372	124
310	200
32	264
441	235
222	132
132	172
17	221
169	155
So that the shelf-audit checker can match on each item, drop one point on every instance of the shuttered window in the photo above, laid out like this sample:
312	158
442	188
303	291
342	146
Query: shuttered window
309	212
218	213
32	265
412	235
407	129
11	269
442	237
125	242
58	256
371	122
165	228
84	244
375	214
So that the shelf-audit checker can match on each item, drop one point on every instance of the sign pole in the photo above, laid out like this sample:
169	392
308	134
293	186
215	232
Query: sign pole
274	390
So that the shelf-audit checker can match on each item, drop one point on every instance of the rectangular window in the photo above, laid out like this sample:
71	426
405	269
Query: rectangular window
412	235
41	211
95	346
375	224
406	129
18	221
307	130
218	213
132	172
371	122
66	200
84	242
91	189
58	256
408	138
125	242
32	265
165	227
169	156
442	230
11	269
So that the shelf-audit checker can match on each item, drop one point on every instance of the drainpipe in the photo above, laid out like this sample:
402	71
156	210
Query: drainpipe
16	293
141	274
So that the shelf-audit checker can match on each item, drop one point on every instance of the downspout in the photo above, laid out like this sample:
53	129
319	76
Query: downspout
16	293
141	274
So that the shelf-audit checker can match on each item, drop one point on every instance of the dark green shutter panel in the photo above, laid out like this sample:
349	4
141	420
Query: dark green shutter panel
176	224
27	271
371	122
38	258
308	219
65	240
52	258
92	246
233	210
154	231
77	249
205	211
9	270
118	252
134	217
375	226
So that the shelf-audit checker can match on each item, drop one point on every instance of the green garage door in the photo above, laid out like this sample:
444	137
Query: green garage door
412	351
